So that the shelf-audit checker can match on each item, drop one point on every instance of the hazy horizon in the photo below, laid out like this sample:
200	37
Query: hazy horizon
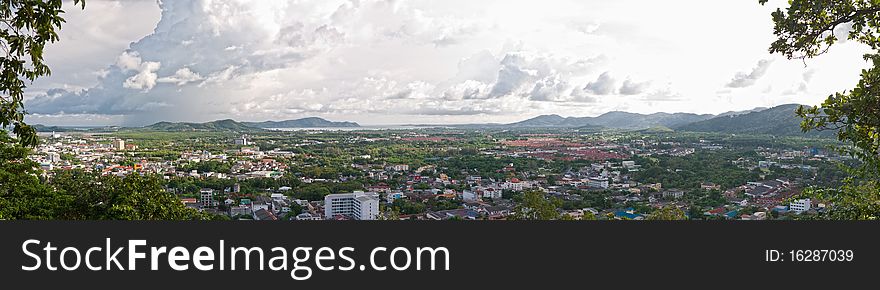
382	63
379	125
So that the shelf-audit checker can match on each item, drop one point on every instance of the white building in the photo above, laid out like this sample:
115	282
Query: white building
673	194
242	141
119	144
491	193
598	182
514	185
357	205
800	205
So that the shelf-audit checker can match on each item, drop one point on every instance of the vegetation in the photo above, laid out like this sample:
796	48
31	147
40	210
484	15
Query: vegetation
215	126
77	195
667	213
312	122
692	170
322	163
807	29
536	205
28	25
777	121
22	194
135	197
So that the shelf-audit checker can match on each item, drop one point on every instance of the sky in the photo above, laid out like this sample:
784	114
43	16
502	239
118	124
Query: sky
382	62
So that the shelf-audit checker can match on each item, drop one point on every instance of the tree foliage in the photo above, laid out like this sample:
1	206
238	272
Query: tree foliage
536	205
806	29
667	213
22	194
852	201
26	26
133	197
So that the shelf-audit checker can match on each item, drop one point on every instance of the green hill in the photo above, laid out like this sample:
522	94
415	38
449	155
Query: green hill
215	126
615	120
779	121
311	122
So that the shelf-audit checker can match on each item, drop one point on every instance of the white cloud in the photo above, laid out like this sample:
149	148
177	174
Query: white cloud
630	87
145	79
378	61
128	61
181	77
604	85
742	80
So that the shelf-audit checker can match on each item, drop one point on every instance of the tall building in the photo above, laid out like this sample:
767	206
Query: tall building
207	197
357	205
119	144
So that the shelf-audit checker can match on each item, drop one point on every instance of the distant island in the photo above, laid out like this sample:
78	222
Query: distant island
227	125
214	126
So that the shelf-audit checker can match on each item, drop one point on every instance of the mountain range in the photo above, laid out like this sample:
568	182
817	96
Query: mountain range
312	122
214	126
779	120
616	120
235	126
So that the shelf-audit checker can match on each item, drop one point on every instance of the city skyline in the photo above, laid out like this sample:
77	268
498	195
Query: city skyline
426	62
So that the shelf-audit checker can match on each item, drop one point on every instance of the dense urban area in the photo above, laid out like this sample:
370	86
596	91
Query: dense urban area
460	173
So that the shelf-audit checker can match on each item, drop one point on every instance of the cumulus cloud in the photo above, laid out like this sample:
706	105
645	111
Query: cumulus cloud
525	74
743	80
280	59
129	61
145	79
550	89
145	71
513	75
630	87
181	77
470	89
604	85
192	36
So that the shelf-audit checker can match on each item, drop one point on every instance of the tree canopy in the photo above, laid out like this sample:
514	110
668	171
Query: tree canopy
26	26
806	29
667	213
536	205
